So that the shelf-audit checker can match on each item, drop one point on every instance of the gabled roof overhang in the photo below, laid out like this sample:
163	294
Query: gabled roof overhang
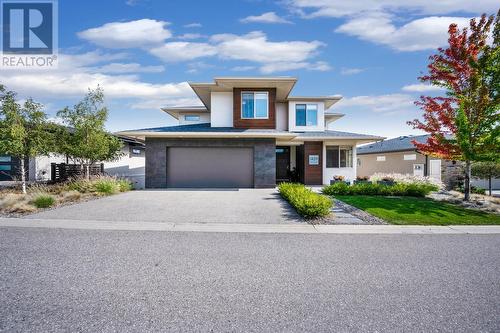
283	85
175	111
328	100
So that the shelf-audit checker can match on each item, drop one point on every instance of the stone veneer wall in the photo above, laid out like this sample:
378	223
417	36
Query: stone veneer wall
264	158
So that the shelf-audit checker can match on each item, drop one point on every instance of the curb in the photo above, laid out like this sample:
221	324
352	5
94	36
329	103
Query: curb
247	228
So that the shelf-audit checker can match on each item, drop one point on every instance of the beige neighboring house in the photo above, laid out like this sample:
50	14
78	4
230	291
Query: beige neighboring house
399	155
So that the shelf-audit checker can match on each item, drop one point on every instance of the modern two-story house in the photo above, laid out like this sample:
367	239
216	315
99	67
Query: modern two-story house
249	133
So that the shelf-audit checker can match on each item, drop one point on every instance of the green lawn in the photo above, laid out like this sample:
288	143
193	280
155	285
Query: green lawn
408	210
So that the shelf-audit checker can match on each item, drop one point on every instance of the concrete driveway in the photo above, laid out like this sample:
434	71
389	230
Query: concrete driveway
251	206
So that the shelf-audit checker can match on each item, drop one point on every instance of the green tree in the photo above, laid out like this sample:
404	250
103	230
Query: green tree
84	139
24	130
488	170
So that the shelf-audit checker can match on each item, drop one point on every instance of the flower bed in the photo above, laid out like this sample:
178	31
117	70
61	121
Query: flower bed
306	202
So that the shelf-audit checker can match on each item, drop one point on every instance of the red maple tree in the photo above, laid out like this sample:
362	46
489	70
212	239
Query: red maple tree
455	69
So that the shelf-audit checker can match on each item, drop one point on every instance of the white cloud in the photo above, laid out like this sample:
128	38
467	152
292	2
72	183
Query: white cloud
130	34
269	17
255	46
421	34
195	67
243	68
341	8
120	68
157	104
73	77
378	103
377	21
190	36
193	25
420	87
182	51
351	71
288	66
252	47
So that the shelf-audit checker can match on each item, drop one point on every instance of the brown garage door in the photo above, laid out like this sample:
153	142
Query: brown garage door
209	167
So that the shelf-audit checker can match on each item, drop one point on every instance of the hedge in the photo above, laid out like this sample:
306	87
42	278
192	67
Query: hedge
398	189
307	203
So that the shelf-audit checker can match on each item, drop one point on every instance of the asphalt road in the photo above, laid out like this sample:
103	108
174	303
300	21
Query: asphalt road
85	280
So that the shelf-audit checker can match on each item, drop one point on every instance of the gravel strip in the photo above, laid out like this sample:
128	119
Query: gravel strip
359	213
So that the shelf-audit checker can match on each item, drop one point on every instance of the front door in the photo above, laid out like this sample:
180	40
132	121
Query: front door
282	164
435	169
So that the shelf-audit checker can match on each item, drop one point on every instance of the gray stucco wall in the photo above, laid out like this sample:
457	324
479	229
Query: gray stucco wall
264	158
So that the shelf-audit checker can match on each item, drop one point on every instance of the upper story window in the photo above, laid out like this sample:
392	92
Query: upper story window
254	105
191	117
306	115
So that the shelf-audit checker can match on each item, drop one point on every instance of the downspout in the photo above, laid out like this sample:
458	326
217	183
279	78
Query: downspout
426	166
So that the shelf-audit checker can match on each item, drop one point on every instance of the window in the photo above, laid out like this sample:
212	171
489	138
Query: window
410	157
191	117
254	105
338	157
136	151
5	167
5	159
380	158
306	114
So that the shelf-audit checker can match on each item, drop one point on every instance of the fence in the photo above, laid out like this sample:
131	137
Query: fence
62	171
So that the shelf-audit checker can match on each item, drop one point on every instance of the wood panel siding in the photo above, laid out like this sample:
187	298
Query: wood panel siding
269	123
313	174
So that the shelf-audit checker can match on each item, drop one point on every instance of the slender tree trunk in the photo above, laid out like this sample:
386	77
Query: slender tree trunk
23	175
467	180
489	184
87	172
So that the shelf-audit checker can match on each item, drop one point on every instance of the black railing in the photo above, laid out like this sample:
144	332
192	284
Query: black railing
61	171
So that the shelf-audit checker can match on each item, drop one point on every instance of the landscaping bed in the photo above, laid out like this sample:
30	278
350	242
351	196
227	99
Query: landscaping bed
418	211
306	202
42	196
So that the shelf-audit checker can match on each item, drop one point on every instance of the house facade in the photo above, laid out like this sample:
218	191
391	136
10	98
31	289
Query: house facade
249	133
130	165
399	155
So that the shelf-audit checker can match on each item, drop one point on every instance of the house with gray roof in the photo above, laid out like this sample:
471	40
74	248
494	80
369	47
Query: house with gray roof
250	132
399	155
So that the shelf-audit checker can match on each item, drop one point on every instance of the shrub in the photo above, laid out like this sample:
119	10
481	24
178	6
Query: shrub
15	203
473	190
405	179
106	186
70	196
306	202
124	185
398	189
81	185
337	188
43	201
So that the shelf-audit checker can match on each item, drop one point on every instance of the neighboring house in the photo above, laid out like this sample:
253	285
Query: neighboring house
130	165
249	133
399	155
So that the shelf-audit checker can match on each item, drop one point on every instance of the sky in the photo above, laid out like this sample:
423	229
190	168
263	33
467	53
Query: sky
143	53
